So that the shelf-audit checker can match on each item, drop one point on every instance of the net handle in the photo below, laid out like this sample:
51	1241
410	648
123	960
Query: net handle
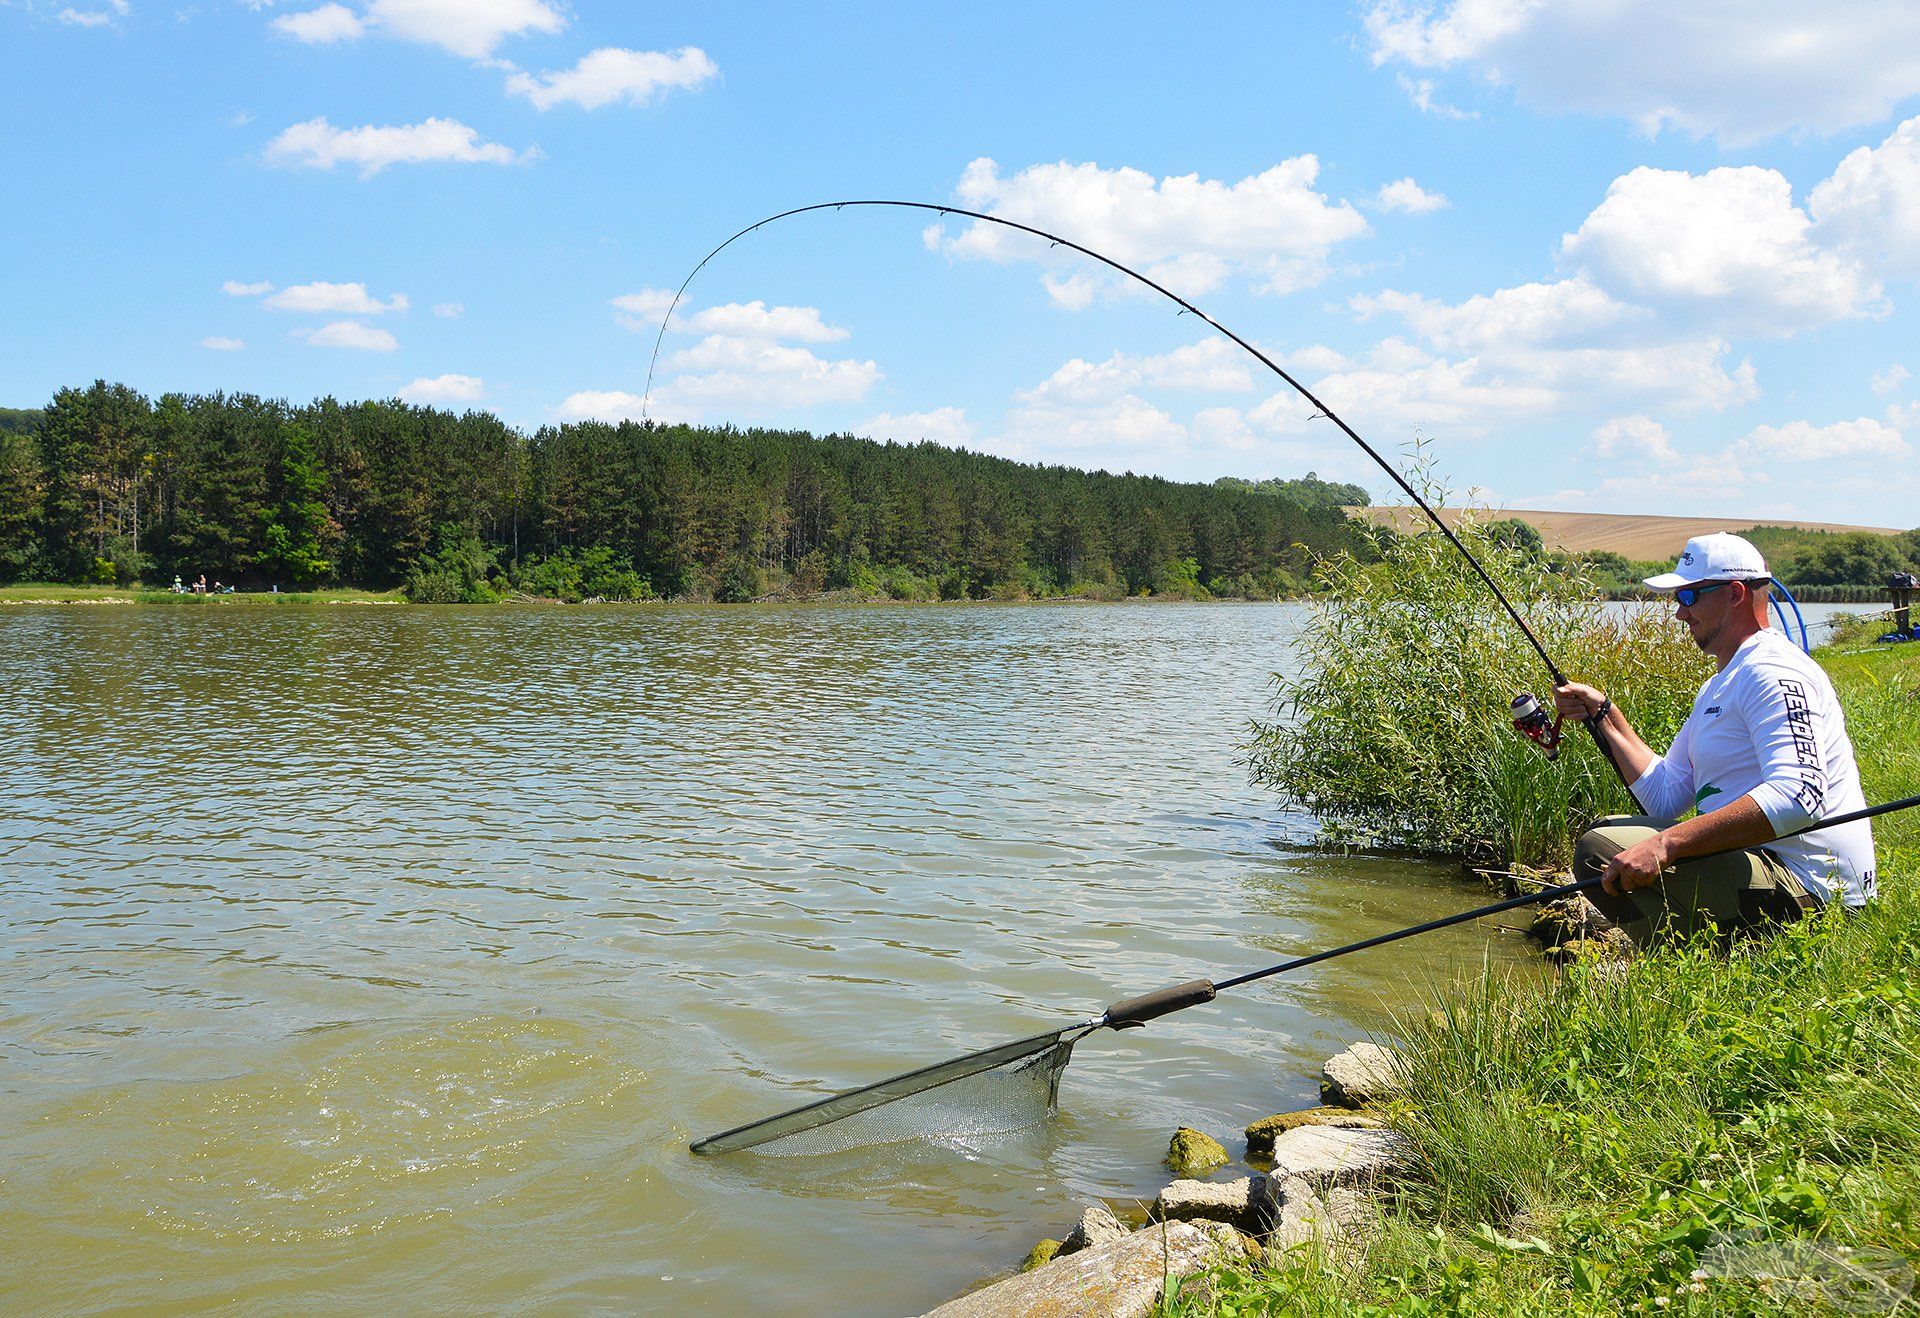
1132	1013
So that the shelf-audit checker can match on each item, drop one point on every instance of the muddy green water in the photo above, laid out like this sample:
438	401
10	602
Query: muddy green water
386	959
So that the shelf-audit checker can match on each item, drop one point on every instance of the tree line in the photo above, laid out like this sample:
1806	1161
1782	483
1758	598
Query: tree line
106	485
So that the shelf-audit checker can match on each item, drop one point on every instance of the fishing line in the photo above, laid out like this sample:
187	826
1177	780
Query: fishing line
1320	408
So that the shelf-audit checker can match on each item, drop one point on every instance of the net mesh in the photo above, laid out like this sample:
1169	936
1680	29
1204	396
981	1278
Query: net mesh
996	1090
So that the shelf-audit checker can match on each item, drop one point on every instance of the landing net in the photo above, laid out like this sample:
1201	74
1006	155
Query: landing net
1004	1088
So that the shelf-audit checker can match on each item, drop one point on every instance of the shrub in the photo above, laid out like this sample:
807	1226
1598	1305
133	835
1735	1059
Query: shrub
458	571
1397	725
739	582
556	576
1179	578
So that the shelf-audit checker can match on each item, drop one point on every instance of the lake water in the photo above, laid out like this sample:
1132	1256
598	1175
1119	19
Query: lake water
376	958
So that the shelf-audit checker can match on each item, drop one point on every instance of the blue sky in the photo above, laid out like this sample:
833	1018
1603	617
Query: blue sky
1599	253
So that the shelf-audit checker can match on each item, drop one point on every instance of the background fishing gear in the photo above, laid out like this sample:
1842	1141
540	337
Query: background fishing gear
1013	1085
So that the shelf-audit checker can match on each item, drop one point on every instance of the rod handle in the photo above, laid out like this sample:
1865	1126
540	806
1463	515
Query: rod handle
1132	1013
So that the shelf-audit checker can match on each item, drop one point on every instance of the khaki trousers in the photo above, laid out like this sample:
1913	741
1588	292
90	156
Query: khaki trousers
1744	890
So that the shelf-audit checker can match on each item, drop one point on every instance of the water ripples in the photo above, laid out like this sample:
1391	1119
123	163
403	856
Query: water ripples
390	957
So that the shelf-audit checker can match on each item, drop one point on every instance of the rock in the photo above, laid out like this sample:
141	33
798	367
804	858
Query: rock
1333	1156
1040	1255
1191	1151
1613	945
1097	1226
1362	1075
1246	1204
1305	1213
1262	1133
1123	1278
1568	919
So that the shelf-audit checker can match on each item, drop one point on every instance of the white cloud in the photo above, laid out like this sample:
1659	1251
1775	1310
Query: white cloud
1728	246
317	144
1467	396
351	334
728	376
1802	441
471	28
1714	487
1074	292
1316	359
1739	70
234	288
1406	195
221	343
1212	365
1564	313
633	77
449	310
1225	428
1126	425
1545	348
321	298
756	320
96	17
643	310
322	26
444	389
1870	207
1421	92
943	425
600	405
1272	229
1634	439
1890	380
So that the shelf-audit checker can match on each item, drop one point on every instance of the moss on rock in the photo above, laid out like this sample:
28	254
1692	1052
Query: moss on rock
1040	1255
1261	1134
1191	1152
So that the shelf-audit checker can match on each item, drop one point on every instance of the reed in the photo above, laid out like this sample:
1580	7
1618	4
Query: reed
1396	728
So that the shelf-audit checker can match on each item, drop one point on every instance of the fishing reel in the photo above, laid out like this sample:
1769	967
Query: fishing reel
1530	721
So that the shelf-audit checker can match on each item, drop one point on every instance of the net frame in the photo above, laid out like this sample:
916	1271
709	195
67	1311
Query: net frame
852	1102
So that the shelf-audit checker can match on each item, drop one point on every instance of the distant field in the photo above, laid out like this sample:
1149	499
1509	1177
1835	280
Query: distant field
1631	536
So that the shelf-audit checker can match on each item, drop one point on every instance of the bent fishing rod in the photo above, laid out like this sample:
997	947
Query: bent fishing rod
1187	308
1134	1013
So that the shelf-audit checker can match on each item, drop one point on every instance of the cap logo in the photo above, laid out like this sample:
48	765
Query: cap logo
1687	557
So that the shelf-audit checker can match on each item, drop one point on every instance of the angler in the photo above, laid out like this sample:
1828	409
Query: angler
1025	1073
1764	753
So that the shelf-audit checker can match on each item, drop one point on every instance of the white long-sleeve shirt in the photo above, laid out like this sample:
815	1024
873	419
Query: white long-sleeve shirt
1768	725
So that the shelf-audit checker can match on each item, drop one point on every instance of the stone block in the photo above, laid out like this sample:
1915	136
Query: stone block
1123	1278
1362	1075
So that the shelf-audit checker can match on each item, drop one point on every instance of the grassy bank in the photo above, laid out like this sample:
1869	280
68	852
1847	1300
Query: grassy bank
1597	1146
42	593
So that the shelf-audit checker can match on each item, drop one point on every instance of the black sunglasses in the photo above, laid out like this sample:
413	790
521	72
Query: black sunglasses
1686	595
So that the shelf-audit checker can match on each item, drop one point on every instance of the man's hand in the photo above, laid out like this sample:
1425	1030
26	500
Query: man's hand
1577	700
1639	866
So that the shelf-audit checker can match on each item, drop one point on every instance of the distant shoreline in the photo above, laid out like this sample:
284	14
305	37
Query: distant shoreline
1629	534
113	595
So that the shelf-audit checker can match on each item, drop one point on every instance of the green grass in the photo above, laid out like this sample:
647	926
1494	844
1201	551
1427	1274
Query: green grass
42	593
1584	1146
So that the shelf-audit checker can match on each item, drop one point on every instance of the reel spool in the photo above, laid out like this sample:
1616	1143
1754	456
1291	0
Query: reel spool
1530	720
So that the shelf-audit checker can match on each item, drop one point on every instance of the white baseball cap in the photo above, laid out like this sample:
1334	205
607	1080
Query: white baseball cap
1721	556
